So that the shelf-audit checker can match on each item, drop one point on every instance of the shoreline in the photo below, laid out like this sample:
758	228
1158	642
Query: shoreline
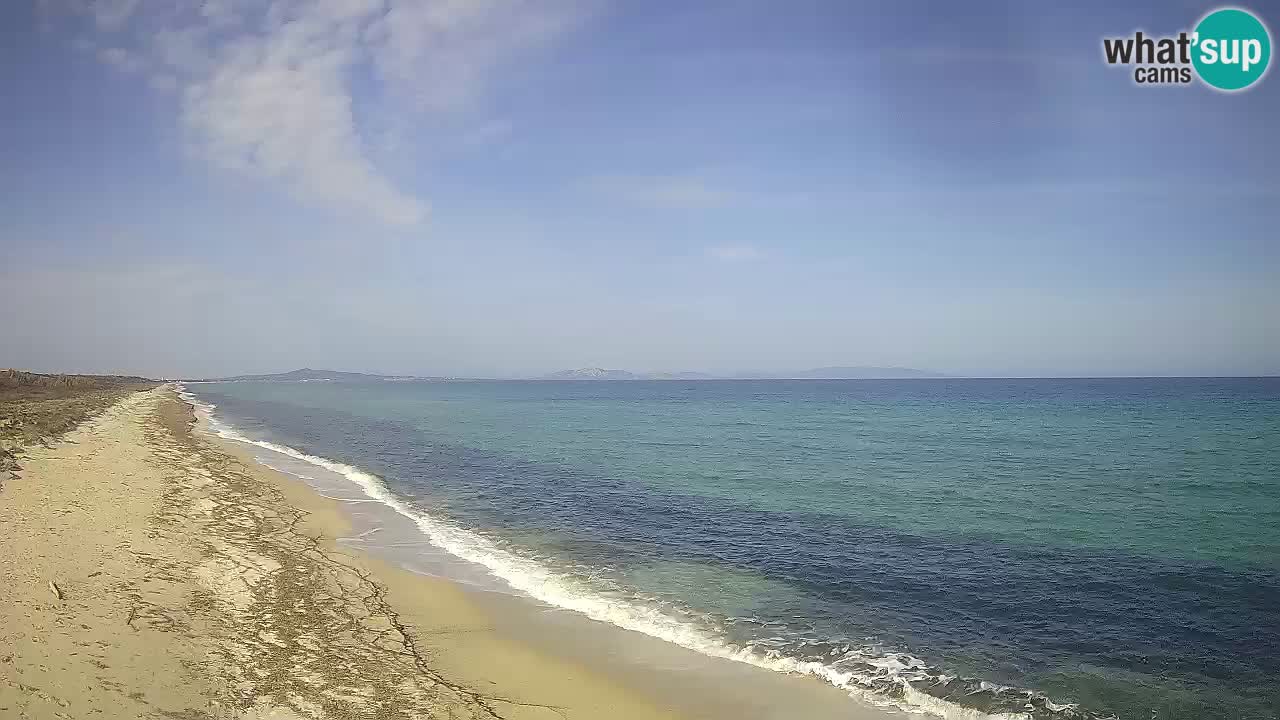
684	681
156	570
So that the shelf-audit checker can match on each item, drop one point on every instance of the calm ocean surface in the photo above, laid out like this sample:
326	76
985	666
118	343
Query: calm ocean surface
1059	548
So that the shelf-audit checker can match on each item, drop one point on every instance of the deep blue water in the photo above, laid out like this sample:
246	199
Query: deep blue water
1111	544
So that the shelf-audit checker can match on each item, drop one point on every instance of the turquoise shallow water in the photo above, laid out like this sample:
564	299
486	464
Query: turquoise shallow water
1061	548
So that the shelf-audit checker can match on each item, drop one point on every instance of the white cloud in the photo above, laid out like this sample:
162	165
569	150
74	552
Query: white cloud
111	14
671	192
277	105
440	53
265	89
733	253
485	134
225	12
183	49
120	59
163	82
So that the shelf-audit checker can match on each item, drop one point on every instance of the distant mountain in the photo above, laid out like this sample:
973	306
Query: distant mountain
593	373
596	373
309	375
823	373
686	375
864	373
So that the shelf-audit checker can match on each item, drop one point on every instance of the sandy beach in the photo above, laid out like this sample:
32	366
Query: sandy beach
150	570
150	574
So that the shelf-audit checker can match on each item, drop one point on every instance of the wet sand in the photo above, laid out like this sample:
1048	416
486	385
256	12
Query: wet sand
148	569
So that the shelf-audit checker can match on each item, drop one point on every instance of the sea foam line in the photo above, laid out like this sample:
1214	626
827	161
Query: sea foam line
540	583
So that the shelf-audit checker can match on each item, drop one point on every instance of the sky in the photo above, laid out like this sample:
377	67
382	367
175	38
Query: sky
502	187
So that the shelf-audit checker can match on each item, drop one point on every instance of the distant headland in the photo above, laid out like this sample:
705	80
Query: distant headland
855	372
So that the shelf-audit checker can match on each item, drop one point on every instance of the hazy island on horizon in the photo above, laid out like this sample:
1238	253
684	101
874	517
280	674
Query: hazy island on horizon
854	372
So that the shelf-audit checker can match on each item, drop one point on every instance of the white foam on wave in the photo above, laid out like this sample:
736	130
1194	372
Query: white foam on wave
530	577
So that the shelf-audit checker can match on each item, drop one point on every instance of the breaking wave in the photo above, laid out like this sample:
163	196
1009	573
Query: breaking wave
872	674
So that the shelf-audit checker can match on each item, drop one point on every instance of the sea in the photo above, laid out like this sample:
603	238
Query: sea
1049	549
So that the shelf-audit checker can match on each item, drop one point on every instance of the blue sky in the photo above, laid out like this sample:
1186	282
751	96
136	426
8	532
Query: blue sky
505	187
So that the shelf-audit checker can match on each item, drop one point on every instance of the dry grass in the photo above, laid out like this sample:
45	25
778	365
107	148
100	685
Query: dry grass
35	408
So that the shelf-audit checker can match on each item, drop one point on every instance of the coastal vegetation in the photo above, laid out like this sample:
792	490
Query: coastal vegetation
37	407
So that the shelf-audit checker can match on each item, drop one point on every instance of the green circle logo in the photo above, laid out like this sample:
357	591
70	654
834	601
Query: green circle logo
1232	49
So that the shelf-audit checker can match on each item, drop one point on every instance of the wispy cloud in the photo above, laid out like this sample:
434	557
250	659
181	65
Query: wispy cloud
120	59
265	89
440	53
671	192
111	14
486	134
277	105
734	253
